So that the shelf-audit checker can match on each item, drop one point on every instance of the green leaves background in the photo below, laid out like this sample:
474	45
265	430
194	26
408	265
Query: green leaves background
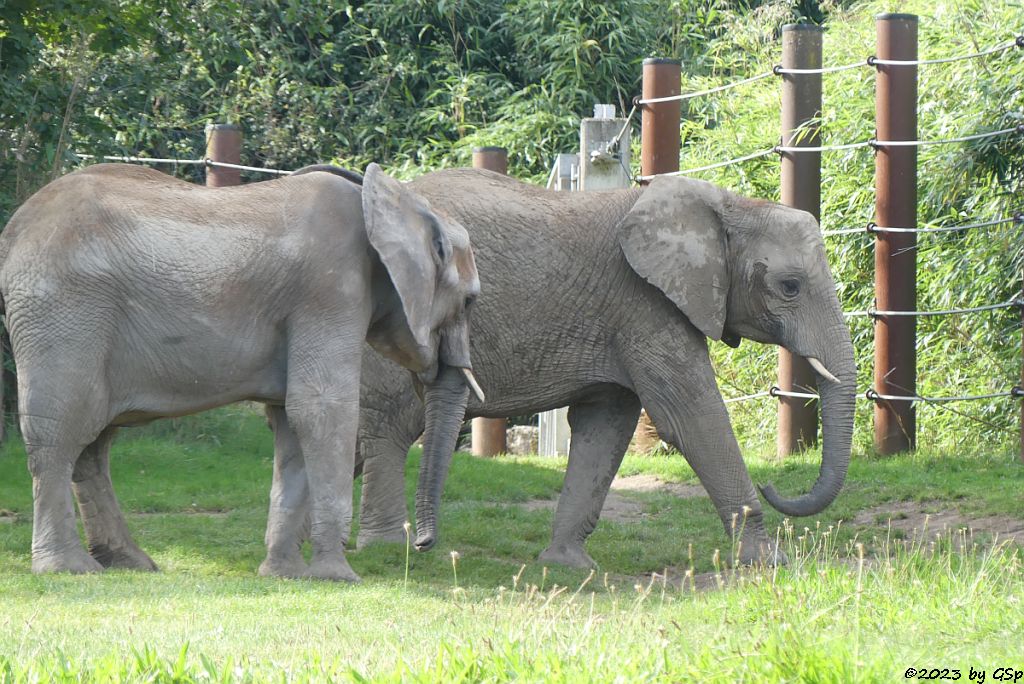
415	85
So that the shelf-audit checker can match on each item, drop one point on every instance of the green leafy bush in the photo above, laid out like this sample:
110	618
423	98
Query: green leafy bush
415	85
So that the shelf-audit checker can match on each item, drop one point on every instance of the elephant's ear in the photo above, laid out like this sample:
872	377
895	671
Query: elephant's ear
673	237
411	244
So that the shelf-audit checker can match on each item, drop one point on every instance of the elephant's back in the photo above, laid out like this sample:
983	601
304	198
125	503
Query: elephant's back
122	228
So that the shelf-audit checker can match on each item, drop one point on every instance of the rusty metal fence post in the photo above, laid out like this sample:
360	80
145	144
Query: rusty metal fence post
488	436
800	180
895	253
223	144
659	121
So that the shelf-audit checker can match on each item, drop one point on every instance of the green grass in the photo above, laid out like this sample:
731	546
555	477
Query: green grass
196	494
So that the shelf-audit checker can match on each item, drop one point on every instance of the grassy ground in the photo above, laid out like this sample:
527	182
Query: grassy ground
196	490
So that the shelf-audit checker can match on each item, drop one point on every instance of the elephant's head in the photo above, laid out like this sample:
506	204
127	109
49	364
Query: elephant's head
423	297
737	267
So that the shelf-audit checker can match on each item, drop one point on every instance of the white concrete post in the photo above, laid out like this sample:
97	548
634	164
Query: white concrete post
604	156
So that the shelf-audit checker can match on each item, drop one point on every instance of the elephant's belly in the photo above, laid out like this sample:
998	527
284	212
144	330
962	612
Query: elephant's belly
536	397
168	402
181	374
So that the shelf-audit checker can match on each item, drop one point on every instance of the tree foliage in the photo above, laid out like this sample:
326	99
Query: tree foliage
415	85
410	83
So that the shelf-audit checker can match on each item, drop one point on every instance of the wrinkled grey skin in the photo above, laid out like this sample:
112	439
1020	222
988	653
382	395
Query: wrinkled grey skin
132	296
604	301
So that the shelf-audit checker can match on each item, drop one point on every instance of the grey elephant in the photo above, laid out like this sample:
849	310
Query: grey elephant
132	296
603	301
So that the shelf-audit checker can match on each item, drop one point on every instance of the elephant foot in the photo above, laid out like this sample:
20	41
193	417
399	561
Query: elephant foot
77	562
573	556
292	567
332	567
125	557
390	536
762	551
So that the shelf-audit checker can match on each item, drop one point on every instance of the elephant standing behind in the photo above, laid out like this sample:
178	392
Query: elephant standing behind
132	296
603	301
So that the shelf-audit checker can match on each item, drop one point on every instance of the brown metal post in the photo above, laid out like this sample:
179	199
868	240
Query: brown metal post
895	253
489	433
801	188
659	121
223	144
491	158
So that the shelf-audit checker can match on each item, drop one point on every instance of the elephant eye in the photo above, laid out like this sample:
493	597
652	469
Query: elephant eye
469	302
790	287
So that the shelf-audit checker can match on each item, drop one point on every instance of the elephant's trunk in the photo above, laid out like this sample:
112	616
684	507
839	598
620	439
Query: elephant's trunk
445	401
837	405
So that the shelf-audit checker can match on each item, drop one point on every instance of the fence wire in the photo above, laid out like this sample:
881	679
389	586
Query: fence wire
140	160
790	149
718	165
709	91
871	228
872	62
240	167
206	161
1017	42
874	313
873	396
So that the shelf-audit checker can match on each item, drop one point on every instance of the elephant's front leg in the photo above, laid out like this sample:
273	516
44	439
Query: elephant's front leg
693	419
602	426
289	502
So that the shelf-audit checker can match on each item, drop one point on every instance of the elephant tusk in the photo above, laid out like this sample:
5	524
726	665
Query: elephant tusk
820	369
473	384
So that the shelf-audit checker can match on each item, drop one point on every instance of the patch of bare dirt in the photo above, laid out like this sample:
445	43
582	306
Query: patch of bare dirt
618	506
7	517
919	519
650	483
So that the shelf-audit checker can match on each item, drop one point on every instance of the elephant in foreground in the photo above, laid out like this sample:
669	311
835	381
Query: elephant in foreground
132	296
603	301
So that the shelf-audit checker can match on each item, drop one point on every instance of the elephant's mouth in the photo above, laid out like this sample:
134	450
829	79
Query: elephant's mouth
429	377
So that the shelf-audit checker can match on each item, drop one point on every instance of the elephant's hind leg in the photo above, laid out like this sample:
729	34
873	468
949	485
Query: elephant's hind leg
383	512
288	519
106	531
602	426
52	453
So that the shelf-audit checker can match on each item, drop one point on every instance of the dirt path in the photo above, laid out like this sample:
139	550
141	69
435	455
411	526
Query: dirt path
925	519
619	506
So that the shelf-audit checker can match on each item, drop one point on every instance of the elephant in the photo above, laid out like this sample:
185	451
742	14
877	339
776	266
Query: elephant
604	301
131	296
